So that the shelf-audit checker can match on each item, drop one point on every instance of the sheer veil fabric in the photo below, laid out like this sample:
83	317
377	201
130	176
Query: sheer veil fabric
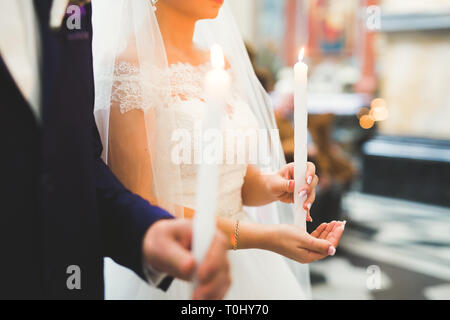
127	38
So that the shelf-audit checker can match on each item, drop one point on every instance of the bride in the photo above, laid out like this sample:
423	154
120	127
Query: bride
150	59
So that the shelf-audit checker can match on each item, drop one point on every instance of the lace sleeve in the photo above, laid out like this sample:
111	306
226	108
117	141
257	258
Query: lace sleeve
126	90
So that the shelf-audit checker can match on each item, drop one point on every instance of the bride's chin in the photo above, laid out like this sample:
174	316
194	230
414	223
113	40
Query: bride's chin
212	10
211	15
215	15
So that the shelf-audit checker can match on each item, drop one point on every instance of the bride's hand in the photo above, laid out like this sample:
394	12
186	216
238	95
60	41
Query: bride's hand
296	244
282	186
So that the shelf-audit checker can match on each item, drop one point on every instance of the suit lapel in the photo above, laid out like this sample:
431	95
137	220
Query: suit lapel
6	76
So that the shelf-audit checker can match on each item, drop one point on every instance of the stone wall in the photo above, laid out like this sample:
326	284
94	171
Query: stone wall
414	73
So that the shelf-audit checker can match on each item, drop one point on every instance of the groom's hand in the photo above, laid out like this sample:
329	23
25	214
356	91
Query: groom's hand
167	248
213	275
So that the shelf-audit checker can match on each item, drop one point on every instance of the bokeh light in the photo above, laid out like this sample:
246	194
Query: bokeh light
367	121
378	109
378	102
380	113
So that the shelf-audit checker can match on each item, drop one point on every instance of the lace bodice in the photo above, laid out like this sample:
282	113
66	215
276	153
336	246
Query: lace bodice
181	82
187	99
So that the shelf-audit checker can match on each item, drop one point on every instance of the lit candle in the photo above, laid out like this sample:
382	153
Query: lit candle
300	123
217	85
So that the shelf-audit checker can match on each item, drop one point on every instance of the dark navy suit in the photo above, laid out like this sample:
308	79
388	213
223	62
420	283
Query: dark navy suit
60	204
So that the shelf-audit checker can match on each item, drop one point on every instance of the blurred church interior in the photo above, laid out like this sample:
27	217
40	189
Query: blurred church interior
379	133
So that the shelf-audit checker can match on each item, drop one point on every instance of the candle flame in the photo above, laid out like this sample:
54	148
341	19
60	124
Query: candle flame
301	54
217	57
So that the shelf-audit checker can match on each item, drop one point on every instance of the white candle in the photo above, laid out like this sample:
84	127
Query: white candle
217	85
300	124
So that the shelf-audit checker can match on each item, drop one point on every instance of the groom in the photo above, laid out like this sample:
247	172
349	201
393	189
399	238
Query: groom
61	209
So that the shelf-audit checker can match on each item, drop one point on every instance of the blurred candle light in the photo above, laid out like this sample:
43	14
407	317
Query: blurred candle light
300	149
378	102
217	58
367	121
379	113
378	110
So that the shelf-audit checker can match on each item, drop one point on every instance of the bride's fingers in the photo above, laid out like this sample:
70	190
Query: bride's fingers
308	255
303	194
290	171
321	246
310	172
282	188
311	190
287	198
287	172
327	230
311	197
319	230
284	185
335	235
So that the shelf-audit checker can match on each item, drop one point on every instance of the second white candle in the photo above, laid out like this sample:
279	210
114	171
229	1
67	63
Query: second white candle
301	136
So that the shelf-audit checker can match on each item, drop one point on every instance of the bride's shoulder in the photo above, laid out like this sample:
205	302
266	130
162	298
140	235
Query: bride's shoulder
128	57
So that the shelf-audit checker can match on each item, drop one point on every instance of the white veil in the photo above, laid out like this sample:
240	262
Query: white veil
129	58
126	34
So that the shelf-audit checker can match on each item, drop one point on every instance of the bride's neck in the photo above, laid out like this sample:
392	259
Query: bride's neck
177	30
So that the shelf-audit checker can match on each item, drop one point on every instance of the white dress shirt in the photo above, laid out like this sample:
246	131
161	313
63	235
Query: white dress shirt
21	52
19	47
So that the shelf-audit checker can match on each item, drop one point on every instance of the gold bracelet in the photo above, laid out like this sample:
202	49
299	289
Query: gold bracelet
236	236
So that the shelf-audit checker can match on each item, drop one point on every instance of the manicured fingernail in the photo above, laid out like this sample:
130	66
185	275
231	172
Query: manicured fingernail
331	251
302	194
309	180
308	206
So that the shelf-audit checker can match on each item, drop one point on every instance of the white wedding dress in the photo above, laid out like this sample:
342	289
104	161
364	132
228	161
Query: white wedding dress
256	274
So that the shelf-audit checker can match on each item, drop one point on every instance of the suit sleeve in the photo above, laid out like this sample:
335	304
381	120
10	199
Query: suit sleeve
125	217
